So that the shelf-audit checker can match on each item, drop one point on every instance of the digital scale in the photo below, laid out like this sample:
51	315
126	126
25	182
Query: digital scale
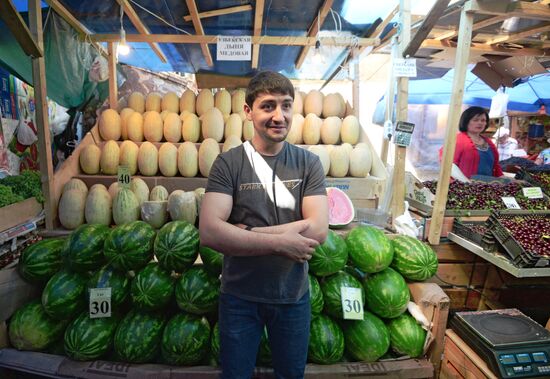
512	345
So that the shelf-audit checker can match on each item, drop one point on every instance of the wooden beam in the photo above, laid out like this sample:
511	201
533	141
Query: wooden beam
140	27
258	19
113	88
427	25
221	12
522	9
385	41
314	30
41	115
478	25
485	49
19	29
208	80
520	35
461	62
192	6
380	28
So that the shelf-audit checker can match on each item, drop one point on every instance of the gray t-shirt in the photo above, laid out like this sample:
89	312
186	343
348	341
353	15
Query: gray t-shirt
266	191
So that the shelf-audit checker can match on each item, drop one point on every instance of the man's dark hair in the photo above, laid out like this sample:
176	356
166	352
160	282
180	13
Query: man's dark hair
268	82
470	113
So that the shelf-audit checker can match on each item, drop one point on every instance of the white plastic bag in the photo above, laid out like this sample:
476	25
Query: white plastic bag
26	134
99	72
405	225
499	104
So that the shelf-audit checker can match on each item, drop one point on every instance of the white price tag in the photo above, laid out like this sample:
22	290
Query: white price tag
123	176
100	302
234	48
510	202
352	303
532	192
404	67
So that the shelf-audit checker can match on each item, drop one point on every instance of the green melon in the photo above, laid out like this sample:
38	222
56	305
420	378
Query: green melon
413	259
326	341
406	336
108	277
63	297
212	260
41	260
387	293
152	288
367	339
130	246
88	338
177	246
185	340
197	291
369	249
329	257
85	247
332	293
316	295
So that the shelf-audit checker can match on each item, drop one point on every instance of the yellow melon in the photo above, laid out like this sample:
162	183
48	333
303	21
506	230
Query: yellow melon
124	114
248	130
205	101
187	101
350	130
109	158
311	132
332	105
294	136
323	155
343	107
136	101
212	124
158	193
152	127
313	103
97	209
188	159
113	189
152	102
222	101
191	128
208	152
237	101
231	142
330	130
184	114
97	187
347	146
75	183
71	208
339	162
109	125
134	126
89	159
360	162
140	188
172	127
170	102
154	213
128	156
168	159
234	126
148	159
298	106
163	114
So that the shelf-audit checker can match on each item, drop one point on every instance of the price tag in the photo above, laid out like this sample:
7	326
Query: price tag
532	192
404	67
510	202
100	302
123	176
352	303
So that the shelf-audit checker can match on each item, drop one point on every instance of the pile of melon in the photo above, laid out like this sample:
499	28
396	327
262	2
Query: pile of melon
116	205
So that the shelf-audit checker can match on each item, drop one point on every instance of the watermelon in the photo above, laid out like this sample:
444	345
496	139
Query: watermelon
340	208
89	338
387	293
329	257
185	340
138	337
31	328
315	295
367	339
130	246
107	277
152	288
369	249
331	288
41	260
57	348
85	247
263	358
197	291
326	341
212	260
406	336
413	259
63	297
177	245
215	343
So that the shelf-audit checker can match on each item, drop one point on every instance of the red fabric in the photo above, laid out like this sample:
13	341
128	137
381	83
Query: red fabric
467	157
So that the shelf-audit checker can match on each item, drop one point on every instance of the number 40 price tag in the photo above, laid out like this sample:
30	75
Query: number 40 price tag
123	176
100	302
352	303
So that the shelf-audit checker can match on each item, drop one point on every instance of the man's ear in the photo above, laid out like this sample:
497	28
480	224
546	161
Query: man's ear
248	111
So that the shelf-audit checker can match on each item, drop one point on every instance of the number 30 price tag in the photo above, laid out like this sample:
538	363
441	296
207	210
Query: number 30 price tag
100	302
352	303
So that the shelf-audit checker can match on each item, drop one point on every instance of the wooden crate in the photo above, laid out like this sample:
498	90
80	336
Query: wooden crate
18	213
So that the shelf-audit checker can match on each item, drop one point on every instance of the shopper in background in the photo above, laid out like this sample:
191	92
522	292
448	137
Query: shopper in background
544	156
505	144
266	210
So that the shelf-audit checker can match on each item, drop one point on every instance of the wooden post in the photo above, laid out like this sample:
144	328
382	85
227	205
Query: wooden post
461	61
113	89
398	191
41	115
390	94
356	86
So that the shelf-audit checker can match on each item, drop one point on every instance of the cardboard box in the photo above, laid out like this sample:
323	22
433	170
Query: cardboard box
14	292
360	189
18	213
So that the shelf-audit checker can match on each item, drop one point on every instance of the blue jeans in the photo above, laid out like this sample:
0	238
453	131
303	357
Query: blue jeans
241	325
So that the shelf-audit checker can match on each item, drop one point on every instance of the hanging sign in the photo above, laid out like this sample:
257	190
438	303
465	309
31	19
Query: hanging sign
510	202
403	133
352	303
100	302
404	67
234	48
532	192
123	176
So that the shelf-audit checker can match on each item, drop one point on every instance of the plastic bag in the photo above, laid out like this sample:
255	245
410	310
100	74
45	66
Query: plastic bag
405	225
499	104
26	133
99	72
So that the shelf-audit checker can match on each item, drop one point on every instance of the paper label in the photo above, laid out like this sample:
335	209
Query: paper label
533	192
404	67
234	48
123	176
352	303
100	302
510	202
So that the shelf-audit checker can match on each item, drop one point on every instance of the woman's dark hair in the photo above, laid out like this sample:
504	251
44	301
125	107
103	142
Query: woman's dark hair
268	82
470	113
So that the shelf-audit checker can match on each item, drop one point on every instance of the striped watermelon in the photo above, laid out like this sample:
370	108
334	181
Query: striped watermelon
263	358
130	246
185	340
152	288
85	247
369	249
326	341
406	335
331	288
197	291
413	259
212	260
367	339
316	296
41	260
138	337
329	257
106	277
215	343
387	293
63	297
31	328
177	245
57	348
89	338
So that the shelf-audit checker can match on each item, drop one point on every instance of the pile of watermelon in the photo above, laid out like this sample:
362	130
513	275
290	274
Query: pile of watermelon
164	305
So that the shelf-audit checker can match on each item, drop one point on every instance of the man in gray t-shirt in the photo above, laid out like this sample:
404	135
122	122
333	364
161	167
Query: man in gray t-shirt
265	209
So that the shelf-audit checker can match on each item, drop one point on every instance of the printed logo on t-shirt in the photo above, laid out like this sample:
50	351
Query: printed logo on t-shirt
290	184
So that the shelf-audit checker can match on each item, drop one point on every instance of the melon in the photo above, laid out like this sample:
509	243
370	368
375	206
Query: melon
212	124
136	101
134	126
231	142
349	110
97	209
113	189
187	101
188	160
183	114
109	125
172	127
248	130
208	152
152	102
294	135
125	207
191	128
148	159
311	132
234	126
140	189
109	158
323	155
124	115
75	183
182	206
350	130
71	208
89	159
298	105
128	156
154	213
158	193
339	162
343	106
170	102
362	145
97	186
330	130
360	162
340	208
168	159
332	105
205	101
238	100
163	115
242	114
313	103
153	127
222	101
347	147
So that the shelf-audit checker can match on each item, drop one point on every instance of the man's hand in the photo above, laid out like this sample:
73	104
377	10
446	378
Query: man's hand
295	246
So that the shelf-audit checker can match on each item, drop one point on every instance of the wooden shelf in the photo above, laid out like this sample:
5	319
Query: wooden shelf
171	183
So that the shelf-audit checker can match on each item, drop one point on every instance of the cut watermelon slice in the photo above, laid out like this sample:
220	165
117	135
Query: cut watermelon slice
340	208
